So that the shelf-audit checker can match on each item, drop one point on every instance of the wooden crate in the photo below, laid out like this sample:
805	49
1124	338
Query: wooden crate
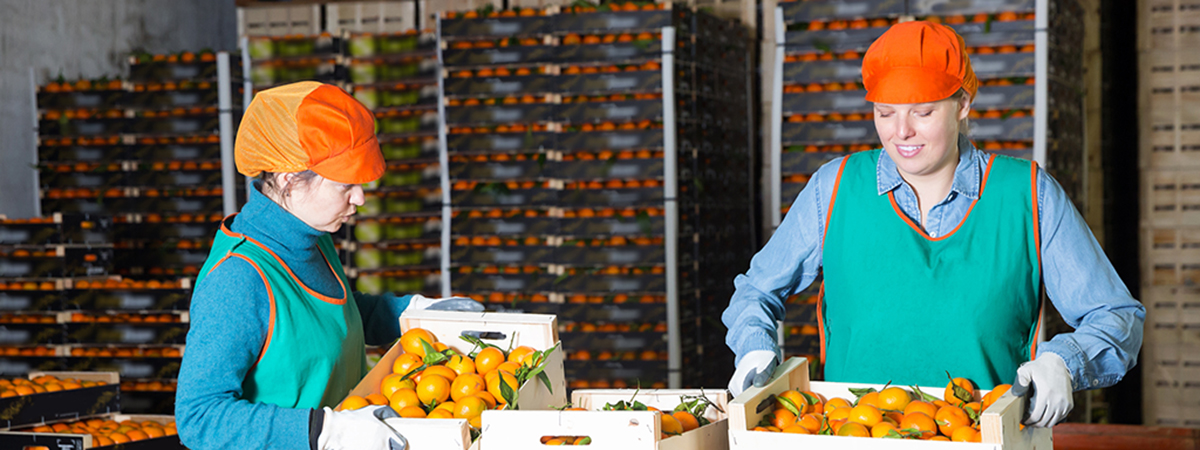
1170	199
1168	24
999	422
279	20
1169	83
539	331
62	406
371	17
69	441
623	430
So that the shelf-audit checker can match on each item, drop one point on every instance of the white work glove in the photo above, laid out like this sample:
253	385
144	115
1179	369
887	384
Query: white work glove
360	429
1048	383
420	302
755	369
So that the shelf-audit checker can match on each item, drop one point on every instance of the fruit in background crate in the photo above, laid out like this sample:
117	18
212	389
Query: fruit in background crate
401	151
107	432
16	387
368	231
368	97
362	45
363	72
368	258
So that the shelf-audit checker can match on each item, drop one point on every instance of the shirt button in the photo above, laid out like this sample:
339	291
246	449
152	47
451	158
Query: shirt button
1095	382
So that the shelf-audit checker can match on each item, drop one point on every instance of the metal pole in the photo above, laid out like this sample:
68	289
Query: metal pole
776	150
247	93
671	213
444	166
225	118
1041	92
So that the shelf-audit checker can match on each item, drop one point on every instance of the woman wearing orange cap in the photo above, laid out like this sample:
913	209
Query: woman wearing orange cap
276	335
933	253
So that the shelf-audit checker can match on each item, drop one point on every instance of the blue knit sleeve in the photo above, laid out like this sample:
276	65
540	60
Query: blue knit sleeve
380	316
230	314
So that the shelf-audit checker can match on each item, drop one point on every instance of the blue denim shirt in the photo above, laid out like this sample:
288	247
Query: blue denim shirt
1078	276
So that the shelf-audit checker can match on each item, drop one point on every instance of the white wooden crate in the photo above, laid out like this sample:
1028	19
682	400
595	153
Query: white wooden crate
999	424
616	430
535	330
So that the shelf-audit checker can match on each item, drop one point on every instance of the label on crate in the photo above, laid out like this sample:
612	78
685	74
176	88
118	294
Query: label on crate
130	369
14	303
11	336
965	7
829	9
15	269
502	227
133	301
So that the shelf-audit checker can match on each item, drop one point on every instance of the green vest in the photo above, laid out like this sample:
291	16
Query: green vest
899	306
314	353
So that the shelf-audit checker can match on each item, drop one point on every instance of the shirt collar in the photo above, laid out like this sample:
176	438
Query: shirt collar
274	226
967	174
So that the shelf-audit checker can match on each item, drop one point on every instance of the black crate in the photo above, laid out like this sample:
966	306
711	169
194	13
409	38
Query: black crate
119	333
620	111
499	114
51	407
505	226
495	28
966	7
808	11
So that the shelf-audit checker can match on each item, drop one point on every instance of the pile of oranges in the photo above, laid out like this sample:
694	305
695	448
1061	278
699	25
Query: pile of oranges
891	413
566	440
107	432
431	380
687	416
45	383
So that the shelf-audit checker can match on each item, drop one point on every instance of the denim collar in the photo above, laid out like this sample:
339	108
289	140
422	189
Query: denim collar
967	174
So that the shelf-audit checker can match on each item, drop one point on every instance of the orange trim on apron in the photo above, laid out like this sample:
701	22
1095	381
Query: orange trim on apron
1037	240
310	291
982	185
821	293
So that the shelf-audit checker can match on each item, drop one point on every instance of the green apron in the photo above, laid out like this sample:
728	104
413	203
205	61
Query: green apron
899	306
314	353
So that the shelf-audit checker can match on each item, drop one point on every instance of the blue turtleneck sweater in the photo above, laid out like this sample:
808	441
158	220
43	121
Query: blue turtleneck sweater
230	314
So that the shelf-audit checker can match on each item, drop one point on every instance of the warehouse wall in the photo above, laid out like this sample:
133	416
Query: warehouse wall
84	39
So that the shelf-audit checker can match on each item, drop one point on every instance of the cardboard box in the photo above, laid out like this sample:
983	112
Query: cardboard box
998	423
627	430
60	406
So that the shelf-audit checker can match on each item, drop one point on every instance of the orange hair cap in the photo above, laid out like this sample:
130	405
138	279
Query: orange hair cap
309	126
917	62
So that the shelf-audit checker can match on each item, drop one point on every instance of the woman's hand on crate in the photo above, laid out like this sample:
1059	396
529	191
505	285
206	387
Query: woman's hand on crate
1048	382
754	369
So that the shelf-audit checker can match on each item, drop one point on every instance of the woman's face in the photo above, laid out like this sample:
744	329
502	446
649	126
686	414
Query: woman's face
922	138
321	203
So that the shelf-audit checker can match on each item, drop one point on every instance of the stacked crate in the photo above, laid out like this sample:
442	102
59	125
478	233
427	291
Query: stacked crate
1170	162
591	153
133	167
820	112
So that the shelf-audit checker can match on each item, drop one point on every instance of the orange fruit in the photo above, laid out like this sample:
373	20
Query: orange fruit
950	418
797	400
521	355
441	371
837	402
410	341
461	364
403	398
853	429
921	406
963	383
796	429
136	435
440	414
469	407
466	385
687	420
447	405
882	429
412	412
894	398
870	398
393	383
940	438
493	383
487	398
119	438
351	403
782	418
670	426
838	414
406	364
812	422
433	388
994	395
488	359
966	434
377	399
154	432
921	422
865	414
509	366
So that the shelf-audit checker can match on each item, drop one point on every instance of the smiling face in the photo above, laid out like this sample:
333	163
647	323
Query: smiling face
922	138
319	202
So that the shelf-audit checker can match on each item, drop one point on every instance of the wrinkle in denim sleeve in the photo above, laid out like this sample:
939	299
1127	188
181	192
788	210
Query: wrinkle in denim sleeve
1086	290
787	264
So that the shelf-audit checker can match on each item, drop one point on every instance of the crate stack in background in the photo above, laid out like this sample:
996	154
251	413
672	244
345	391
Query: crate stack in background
590	150
1169	154
133	168
819	111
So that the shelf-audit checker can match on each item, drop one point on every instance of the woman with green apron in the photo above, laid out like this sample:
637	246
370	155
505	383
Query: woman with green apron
933	253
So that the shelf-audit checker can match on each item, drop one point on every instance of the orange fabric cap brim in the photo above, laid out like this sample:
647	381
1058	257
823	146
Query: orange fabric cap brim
908	85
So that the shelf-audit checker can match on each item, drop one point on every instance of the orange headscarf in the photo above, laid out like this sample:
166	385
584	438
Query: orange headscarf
309	126
917	62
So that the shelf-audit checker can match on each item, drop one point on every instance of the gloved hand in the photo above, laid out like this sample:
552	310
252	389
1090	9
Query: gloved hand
1048	382
756	368
420	302
359	429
